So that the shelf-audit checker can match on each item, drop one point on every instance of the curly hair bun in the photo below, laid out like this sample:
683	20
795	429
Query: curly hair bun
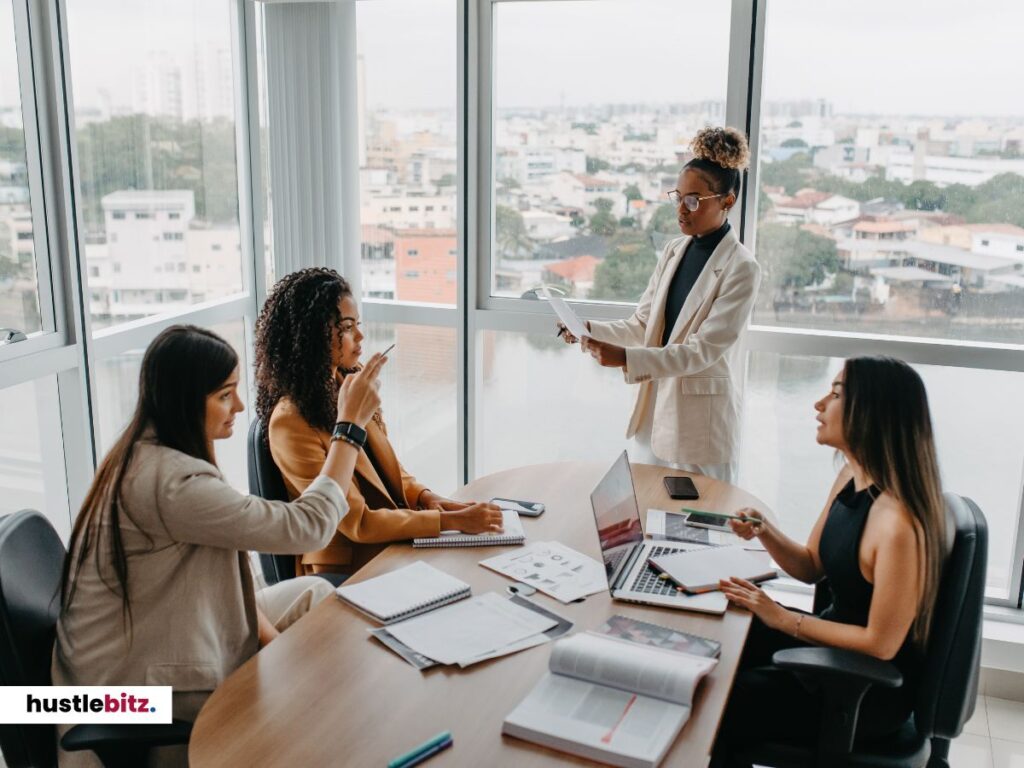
726	147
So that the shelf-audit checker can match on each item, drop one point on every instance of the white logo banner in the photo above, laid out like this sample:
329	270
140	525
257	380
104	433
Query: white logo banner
71	705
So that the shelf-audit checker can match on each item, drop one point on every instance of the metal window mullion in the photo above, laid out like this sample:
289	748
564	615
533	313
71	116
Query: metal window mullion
409	314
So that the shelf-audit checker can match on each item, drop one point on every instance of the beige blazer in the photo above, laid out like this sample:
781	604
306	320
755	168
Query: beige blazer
192	596
694	383
382	505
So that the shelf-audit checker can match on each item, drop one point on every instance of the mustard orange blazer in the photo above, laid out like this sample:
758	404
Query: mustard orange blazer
381	509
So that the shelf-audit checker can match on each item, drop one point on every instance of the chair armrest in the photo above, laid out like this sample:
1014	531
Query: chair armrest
836	662
843	678
125	744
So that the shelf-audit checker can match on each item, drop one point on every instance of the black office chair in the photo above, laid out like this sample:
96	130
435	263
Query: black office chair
31	562
265	481
949	679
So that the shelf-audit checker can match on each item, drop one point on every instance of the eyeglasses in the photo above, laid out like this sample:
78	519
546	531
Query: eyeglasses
690	202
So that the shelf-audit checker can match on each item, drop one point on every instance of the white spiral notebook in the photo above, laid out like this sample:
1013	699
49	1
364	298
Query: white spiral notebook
512	533
405	592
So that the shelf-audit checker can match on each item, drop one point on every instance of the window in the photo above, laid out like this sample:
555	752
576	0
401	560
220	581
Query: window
154	95
584	148
783	465
32	468
117	215
407	151
19	282
413	252
873	207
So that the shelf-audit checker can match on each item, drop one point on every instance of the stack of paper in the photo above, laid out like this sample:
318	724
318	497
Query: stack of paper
473	630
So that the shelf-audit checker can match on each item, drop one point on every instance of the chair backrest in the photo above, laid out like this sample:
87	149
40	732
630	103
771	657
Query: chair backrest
31	563
949	679
265	480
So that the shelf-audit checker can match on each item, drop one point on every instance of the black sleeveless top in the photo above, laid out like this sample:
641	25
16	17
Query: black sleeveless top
839	550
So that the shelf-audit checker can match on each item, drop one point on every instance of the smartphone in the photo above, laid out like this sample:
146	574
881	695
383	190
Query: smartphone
681	488
525	508
708	520
385	352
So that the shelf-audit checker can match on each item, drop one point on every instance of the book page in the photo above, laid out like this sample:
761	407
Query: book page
667	675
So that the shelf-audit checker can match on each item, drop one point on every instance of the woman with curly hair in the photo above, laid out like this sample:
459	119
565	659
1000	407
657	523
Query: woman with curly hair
307	341
680	343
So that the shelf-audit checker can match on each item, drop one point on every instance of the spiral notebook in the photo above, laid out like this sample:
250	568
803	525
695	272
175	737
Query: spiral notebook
400	594
512	533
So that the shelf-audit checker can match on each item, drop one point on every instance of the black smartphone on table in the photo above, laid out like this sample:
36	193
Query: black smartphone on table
681	488
525	508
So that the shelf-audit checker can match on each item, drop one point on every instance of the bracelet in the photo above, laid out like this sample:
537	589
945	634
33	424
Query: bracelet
799	621
346	439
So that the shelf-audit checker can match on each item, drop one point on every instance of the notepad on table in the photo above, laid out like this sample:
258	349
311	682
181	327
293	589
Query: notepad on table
405	592
512	533
700	570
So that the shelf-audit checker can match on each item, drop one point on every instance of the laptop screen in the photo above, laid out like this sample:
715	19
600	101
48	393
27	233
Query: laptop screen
616	514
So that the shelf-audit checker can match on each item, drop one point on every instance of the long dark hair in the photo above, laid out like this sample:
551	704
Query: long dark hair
293	345
182	365
887	428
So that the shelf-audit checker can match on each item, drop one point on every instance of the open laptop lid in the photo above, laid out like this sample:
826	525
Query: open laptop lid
616	516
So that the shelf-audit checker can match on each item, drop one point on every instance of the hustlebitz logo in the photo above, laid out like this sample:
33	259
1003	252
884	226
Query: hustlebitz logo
85	703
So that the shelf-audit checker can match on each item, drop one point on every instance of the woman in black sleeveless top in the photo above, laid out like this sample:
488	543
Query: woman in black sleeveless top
880	541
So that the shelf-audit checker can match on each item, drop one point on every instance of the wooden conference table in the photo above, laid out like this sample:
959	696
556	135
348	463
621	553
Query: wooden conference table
326	693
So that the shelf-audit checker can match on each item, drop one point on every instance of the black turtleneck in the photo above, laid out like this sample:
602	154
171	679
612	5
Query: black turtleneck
698	251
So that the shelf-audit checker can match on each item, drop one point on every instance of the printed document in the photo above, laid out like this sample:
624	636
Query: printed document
566	314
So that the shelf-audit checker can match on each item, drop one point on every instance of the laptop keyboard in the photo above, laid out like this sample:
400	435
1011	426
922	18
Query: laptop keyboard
648	581
612	562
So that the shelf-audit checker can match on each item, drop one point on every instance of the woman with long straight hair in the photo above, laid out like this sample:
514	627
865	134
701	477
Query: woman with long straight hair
157	587
881	541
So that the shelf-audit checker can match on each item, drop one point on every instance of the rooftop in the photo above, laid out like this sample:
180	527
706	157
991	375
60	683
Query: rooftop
578	270
883	227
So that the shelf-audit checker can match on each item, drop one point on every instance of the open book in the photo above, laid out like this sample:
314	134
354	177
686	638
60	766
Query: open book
610	700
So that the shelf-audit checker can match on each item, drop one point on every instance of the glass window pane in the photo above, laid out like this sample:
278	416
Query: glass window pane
591	127
419	399
893	210
19	294
782	464
155	132
117	389
32	474
538	401
407	149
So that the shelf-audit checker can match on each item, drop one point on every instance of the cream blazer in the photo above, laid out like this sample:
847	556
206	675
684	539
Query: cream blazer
192	595
694	383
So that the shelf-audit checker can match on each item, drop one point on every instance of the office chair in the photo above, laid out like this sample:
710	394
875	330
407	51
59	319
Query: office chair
266	482
31	562
949	678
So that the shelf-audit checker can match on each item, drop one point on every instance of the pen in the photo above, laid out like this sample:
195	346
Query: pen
560	332
382	354
423	756
741	518
401	760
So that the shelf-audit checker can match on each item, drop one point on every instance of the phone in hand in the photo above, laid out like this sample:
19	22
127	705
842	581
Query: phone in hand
524	508
709	520
681	488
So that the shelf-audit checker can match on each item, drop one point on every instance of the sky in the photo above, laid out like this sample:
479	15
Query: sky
873	56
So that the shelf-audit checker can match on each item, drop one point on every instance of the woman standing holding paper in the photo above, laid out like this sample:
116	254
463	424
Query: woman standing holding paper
680	343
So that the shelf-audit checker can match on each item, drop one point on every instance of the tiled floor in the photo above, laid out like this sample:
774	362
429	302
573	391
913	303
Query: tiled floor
994	737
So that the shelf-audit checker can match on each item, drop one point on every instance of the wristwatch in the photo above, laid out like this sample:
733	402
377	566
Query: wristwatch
350	433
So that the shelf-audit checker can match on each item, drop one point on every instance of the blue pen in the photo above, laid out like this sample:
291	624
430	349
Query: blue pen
402	760
423	756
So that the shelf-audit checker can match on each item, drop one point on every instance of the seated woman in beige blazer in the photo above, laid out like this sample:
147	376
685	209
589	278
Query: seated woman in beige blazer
307	343
157	587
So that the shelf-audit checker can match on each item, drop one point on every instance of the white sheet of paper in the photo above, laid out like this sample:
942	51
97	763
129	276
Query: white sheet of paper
553	569
566	314
470	628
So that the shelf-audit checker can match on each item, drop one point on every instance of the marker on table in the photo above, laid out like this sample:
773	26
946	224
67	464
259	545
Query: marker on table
424	756
402	760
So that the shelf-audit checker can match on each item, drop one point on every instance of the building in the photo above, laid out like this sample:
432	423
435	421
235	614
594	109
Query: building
425	265
581	191
809	206
575	275
397	208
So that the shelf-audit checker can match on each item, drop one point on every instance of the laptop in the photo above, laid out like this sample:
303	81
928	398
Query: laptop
625	551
